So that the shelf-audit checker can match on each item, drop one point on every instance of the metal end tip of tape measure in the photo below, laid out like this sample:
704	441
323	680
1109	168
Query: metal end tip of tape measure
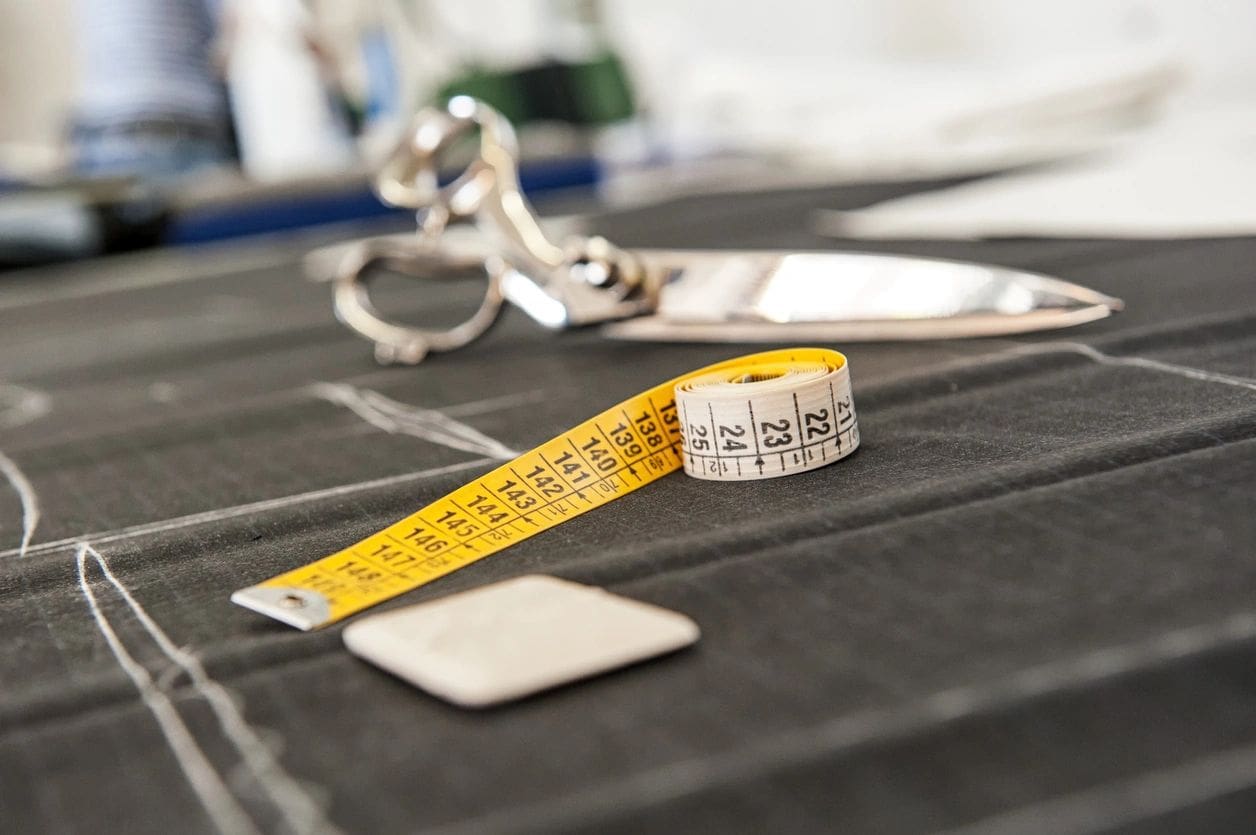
301	608
761	416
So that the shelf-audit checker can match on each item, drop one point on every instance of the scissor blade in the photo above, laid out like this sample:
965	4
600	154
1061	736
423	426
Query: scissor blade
769	296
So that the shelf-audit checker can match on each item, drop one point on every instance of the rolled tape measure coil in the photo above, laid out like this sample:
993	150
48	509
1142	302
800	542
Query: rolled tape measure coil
791	409
774	420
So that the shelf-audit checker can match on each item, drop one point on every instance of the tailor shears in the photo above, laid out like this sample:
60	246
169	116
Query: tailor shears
669	295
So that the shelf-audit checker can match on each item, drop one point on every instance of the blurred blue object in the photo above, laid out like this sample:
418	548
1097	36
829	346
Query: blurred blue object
383	85
296	209
151	103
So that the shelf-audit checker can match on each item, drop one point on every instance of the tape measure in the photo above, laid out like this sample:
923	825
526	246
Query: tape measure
760	416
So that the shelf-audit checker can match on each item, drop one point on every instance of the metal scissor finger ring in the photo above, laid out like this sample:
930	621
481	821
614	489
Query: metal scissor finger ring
406	344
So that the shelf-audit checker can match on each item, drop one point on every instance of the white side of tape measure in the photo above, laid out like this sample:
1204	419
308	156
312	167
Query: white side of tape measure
772	421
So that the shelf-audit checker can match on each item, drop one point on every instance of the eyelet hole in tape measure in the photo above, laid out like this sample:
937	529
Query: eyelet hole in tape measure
765	415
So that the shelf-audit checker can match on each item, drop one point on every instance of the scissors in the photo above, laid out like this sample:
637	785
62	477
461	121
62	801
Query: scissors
672	295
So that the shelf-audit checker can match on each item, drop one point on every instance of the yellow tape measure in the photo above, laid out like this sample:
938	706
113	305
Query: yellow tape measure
759	416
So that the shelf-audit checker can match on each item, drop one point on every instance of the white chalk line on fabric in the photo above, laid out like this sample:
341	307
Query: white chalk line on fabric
399	418
300	812
223	809
1103	358
26	495
298	809
23	406
263	506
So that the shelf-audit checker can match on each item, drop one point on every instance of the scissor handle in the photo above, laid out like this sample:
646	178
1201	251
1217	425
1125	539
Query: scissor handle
587	280
409	178
487	191
406	344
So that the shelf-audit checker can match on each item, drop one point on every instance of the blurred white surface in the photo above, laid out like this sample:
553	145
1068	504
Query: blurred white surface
670	43
1195	176
854	123
797	93
284	119
810	86
38	71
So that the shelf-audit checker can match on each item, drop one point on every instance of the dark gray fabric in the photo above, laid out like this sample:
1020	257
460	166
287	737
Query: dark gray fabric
1027	601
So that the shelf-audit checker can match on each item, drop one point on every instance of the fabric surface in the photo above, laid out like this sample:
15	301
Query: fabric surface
1026	604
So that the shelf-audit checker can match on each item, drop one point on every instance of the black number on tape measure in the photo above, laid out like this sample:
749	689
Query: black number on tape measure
730	434
423	538
782	436
817	423
645	423
648	429
598	455
323	584
517	495
573	470
359	572
391	555
698	437
486	508
626	441
458	524
547	484
667	412
843	409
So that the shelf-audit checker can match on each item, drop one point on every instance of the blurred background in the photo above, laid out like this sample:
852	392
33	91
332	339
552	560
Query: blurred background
134	123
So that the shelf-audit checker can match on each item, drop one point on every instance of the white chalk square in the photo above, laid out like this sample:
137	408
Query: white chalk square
512	639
